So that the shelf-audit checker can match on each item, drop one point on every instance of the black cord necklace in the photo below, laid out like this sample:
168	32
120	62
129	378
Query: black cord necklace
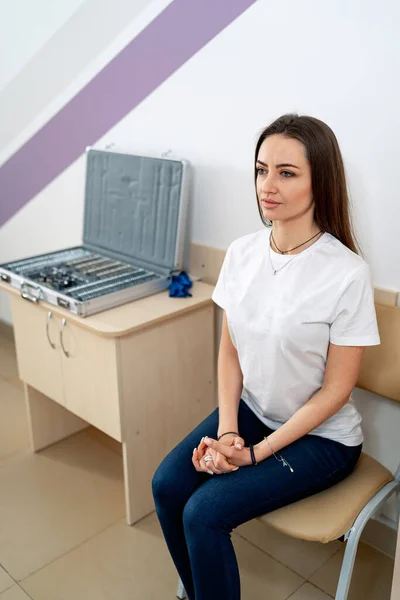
295	248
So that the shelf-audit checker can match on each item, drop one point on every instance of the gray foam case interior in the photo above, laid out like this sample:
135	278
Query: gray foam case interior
132	207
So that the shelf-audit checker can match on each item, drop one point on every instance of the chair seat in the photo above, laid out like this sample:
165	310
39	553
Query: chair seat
328	515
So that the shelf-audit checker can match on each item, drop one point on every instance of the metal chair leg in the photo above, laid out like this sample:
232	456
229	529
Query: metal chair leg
353	537
348	564
181	593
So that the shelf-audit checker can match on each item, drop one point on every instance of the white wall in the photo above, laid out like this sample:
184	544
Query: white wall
337	61
72	49
25	26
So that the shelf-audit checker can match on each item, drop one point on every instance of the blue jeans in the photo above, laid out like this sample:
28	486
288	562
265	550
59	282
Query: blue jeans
198	512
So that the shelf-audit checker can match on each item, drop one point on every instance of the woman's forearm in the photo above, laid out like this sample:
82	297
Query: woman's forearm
316	411
230	381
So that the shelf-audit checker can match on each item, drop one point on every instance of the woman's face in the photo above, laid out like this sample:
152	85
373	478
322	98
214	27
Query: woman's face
284	179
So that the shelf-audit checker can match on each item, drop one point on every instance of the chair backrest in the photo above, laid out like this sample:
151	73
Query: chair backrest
380	369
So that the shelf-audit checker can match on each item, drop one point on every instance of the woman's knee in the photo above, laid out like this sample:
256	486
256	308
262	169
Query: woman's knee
162	484
168	483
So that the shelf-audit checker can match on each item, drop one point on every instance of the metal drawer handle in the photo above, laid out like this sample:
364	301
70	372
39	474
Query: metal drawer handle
26	292
63	324
49	315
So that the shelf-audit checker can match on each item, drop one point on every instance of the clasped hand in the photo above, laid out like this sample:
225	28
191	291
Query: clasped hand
226	457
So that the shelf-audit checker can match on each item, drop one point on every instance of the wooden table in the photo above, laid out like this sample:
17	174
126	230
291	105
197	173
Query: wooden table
143	373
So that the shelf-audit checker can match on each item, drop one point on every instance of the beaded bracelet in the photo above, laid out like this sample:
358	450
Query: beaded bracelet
226	433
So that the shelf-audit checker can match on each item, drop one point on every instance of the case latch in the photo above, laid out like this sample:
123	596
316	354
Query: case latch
31	293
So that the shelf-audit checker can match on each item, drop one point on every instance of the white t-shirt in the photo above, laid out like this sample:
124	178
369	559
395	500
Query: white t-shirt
282	324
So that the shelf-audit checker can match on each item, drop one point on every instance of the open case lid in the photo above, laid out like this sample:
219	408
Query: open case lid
134	208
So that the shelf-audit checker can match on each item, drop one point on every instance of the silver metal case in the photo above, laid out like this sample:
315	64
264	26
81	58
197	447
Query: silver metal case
133	236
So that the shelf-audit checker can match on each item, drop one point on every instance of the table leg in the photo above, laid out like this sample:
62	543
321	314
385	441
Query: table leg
138	499
49	422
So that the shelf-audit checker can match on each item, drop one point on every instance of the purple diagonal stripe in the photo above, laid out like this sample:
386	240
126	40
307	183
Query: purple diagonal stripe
172	38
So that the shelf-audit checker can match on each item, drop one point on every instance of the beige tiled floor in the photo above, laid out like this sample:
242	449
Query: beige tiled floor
63	534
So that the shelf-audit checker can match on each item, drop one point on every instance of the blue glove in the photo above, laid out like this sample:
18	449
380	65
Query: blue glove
180	284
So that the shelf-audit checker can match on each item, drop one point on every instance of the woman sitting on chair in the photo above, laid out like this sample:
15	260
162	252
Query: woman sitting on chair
298	310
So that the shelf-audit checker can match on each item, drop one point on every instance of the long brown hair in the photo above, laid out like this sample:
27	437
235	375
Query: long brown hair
328	180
